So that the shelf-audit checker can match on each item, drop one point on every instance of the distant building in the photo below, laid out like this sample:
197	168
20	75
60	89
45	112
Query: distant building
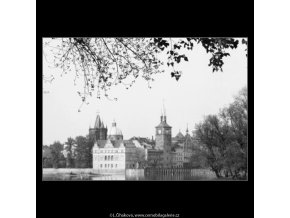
113	153
188	149
170	152
179	138
155	158
109	155
178	156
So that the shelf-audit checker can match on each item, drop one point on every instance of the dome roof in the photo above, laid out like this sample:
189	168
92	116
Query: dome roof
115	130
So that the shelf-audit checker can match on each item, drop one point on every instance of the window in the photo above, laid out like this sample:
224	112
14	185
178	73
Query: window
105	165
112	157
108	157
111	165
105	157
116	165
101	166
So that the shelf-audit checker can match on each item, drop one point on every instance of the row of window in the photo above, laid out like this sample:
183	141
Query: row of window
108	151
116	165
108	165
109	157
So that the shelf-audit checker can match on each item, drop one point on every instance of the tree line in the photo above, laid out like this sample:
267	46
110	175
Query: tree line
223	140
74	153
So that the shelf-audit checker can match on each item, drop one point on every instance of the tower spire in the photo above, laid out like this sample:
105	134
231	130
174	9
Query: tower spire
98	120
187	128
164	112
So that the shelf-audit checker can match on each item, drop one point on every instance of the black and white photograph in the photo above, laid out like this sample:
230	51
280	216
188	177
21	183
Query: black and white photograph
145	109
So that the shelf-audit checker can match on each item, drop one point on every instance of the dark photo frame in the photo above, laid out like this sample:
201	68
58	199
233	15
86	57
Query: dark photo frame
157	198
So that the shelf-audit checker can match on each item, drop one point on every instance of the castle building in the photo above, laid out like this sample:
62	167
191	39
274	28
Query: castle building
113	153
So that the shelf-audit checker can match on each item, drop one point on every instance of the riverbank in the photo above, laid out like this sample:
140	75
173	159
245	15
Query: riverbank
128	172
78	171
64	174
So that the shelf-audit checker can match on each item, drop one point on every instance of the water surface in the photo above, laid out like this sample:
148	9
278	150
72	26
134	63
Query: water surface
66	177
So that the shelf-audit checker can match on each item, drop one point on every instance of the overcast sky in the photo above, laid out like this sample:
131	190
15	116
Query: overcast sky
137	111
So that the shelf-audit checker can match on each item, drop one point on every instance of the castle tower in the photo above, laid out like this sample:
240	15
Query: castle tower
163	134
99	131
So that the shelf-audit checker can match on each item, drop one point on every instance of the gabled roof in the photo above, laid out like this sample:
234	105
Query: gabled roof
179	135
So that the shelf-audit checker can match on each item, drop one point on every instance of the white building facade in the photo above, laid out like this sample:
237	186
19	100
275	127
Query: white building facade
107	158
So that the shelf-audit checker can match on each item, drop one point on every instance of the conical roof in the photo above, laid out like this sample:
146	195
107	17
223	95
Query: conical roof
98	122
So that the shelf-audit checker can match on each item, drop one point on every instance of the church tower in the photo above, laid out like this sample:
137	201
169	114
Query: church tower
99	132
163	134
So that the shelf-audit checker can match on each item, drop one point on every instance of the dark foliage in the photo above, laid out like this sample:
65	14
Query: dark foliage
104	62
224	139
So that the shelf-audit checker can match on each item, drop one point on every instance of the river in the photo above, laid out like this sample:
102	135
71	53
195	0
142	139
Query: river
120	177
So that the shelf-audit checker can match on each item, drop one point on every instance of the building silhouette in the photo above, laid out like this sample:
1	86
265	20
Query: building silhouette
112	153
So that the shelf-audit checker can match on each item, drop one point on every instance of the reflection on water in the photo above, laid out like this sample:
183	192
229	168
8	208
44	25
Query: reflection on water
63	177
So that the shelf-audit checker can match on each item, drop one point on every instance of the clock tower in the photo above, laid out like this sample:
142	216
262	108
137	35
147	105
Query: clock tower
163	135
